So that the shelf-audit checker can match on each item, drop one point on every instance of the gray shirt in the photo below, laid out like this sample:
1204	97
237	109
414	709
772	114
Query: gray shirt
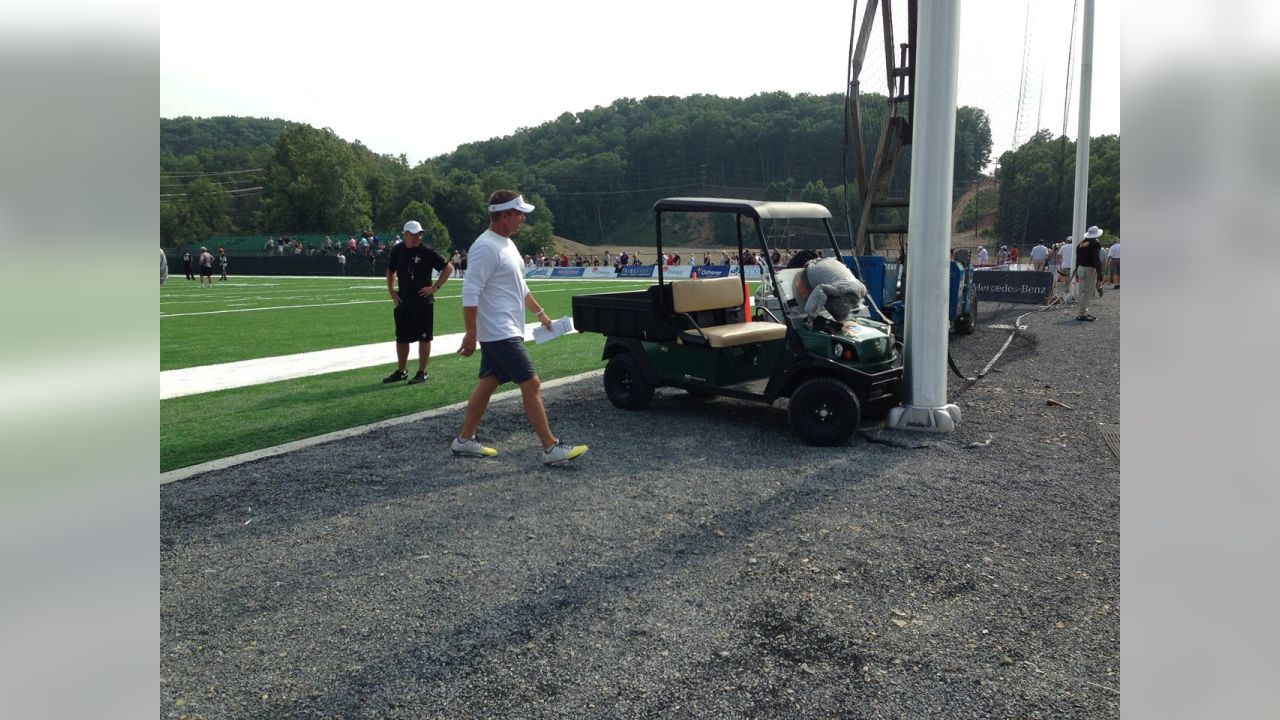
833	288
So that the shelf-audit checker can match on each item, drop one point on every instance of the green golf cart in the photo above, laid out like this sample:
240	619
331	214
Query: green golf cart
697	335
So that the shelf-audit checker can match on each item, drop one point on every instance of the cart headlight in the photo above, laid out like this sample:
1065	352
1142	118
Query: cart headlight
843	352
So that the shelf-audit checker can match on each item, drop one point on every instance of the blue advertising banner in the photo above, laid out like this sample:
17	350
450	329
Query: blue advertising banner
638	271
713	271
566	272
1013	286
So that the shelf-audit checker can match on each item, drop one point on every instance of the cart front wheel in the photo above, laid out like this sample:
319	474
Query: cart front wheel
824	411
625	384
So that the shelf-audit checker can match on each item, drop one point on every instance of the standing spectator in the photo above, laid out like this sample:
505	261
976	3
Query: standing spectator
1013	256
1089	261
1002	257
494	300
205	261
1113	265
186	264
706	258
328	244
462	265
982	256
411	263
1066	266
1039	254
222	263
608	259
342	262
269	247
164	267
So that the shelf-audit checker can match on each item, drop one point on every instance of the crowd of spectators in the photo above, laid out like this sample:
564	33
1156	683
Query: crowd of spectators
635	257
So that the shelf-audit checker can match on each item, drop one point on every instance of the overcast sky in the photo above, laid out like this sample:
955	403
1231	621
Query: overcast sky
422	78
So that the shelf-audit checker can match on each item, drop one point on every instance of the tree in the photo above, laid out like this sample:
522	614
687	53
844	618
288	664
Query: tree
973	144
462	206
815	191
779	190
435	234
315	183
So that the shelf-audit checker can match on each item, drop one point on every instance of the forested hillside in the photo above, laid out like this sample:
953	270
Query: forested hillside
593	174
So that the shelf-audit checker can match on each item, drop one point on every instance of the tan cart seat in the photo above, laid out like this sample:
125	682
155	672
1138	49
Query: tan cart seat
691	296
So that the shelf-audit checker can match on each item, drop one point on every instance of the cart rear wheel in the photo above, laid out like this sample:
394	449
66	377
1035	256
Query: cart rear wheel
625	384
967	323
824	411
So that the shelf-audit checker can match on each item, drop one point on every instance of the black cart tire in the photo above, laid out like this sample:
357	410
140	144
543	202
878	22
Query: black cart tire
967	323
824	411
625	384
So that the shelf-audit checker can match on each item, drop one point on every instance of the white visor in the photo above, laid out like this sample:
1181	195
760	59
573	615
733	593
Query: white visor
517	204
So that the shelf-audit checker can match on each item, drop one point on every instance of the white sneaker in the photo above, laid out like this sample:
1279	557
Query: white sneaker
471	448
561	453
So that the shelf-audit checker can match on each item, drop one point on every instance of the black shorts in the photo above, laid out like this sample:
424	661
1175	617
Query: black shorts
206	271
415	321
506	360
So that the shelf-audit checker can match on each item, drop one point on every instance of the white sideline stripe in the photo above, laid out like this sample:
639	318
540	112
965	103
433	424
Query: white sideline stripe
242	373
223	463
331	304
278	307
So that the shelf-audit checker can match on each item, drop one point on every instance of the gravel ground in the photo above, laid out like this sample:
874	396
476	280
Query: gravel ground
699	562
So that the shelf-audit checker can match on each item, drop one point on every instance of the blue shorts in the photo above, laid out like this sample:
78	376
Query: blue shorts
506	360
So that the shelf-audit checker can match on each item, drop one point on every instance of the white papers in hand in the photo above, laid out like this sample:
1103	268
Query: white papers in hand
558	327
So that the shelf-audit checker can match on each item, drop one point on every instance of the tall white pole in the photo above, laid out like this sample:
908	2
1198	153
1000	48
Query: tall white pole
1081	206
933	139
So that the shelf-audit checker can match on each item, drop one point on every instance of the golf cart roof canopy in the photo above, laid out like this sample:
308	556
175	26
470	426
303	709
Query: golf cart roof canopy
751	208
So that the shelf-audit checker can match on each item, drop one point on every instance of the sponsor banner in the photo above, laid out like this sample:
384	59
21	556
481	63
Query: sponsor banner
566	272
639	271
599	272
538	272
678	272
1014	286
719	271
713	271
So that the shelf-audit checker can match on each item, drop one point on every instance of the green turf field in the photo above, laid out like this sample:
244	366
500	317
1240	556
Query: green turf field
258	317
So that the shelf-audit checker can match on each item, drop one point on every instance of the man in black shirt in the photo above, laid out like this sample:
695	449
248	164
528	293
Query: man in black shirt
412	262
1088	265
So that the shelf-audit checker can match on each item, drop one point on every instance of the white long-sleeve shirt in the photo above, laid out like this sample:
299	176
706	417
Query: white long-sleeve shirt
495	286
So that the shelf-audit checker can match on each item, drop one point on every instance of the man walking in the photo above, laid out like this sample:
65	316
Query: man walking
222	262
494	300
1088	265
1066	266
412	262
1038	255
206	266
1113	264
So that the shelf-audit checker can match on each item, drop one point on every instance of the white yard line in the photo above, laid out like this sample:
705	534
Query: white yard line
331	304
208	378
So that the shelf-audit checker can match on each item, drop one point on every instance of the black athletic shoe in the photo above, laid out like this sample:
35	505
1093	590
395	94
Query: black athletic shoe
397	376
1087	318
419	378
